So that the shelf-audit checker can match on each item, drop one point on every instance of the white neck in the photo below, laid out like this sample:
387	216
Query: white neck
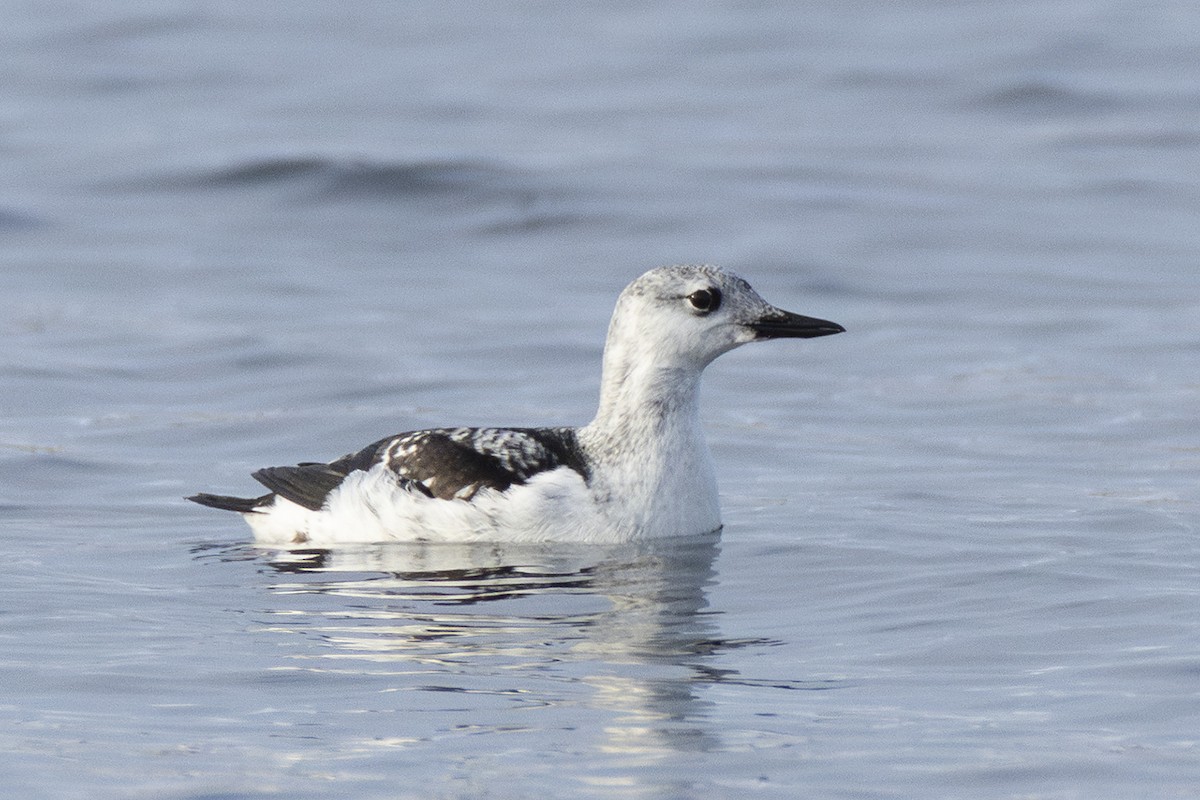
653	471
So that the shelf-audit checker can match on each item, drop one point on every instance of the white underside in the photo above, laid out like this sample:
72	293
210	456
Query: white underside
553	506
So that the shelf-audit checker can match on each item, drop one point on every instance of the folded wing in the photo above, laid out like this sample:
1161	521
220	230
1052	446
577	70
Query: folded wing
448	464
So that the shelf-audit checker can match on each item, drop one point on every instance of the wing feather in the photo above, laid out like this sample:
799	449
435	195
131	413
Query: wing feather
445	463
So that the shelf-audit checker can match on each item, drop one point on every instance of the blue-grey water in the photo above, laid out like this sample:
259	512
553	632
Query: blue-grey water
961	556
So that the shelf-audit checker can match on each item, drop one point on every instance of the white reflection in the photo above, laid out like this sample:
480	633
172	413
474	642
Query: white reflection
615	644
627	622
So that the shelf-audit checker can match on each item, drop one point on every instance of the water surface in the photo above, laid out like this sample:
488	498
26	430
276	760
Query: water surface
960	556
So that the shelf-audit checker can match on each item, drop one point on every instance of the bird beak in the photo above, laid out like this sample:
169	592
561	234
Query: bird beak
780	324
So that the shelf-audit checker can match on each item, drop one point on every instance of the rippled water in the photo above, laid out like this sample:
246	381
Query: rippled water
960	556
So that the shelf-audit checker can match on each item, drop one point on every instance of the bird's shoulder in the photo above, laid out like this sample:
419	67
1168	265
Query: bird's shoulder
458	462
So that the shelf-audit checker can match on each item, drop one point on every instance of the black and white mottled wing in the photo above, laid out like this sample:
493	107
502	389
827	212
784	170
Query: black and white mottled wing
455	463
447	463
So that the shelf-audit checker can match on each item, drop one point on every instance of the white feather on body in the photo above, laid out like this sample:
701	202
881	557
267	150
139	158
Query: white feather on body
651	492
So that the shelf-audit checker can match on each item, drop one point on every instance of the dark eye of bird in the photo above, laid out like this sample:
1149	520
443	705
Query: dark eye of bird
705	300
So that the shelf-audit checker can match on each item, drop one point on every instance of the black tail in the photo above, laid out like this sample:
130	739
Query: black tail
240	504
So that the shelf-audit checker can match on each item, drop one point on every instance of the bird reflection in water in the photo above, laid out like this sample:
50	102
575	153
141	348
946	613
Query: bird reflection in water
625	631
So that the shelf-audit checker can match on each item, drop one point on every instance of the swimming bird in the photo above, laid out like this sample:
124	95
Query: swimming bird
640	469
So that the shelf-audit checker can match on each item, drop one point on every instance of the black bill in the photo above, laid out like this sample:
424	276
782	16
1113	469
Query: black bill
786	325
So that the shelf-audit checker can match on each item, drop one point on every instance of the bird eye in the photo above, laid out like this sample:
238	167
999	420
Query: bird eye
705	300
